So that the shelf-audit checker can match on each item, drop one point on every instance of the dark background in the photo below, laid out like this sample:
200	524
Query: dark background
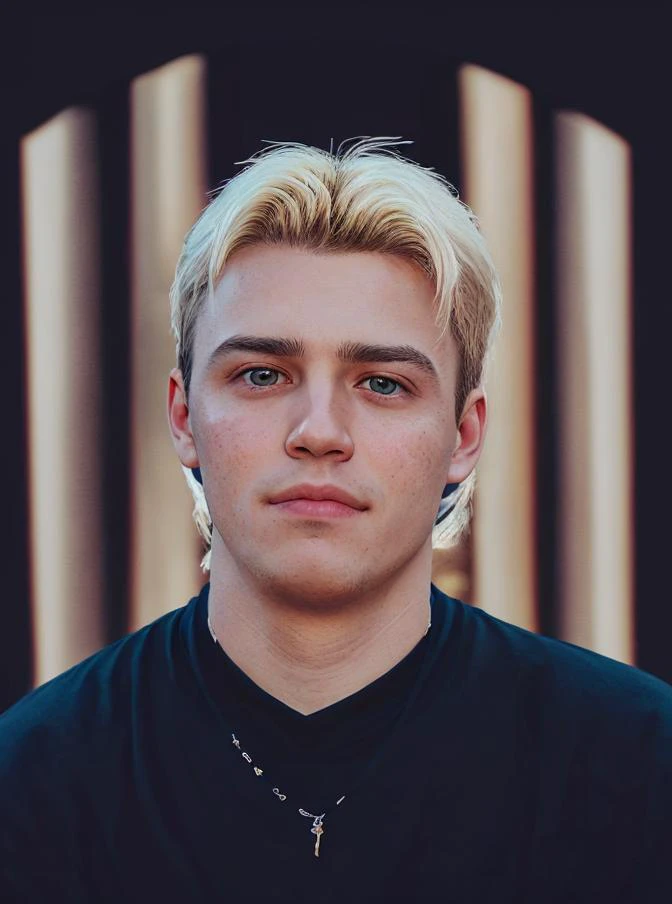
317	73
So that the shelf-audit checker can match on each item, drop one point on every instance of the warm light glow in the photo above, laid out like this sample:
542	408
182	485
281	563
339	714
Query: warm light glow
594	263
60	213
168	157
497	162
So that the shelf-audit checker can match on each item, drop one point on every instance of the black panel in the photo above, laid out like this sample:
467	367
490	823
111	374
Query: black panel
310	95
113	139
16	665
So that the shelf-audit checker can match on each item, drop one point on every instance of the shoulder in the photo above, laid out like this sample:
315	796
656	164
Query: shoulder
92	699
563	675
69	757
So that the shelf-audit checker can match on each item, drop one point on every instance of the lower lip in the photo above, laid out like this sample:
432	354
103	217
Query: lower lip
318	508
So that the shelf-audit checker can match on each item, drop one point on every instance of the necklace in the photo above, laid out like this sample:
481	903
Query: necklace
317	827
318	820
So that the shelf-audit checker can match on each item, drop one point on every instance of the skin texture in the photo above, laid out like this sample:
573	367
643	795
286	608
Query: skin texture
315	607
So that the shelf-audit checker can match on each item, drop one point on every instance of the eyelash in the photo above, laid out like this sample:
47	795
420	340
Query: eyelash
402	390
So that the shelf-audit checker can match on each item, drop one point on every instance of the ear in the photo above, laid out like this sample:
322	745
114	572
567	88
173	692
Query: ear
178	418
470	437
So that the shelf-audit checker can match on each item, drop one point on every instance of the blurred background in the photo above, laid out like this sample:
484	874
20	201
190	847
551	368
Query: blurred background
551	126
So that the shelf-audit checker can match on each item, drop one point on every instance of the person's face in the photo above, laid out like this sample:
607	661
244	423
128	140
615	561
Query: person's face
322	410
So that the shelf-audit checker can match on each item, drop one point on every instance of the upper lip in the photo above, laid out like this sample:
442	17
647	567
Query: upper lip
312	491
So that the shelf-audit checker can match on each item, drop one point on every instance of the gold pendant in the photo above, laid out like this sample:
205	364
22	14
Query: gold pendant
318	831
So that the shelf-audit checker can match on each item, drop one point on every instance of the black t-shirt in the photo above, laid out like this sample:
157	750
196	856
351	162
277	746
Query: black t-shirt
489	765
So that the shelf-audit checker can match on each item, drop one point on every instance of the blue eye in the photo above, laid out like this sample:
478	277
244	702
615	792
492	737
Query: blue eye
261	376
383	385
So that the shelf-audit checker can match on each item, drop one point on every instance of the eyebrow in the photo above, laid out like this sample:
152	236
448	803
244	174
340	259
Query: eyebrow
348	352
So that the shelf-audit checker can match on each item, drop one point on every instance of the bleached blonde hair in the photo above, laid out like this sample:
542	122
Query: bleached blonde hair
365	197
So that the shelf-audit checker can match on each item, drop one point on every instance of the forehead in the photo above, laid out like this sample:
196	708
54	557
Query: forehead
326	299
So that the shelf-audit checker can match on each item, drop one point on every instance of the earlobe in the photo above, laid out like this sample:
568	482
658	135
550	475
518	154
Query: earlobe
470	437
178	418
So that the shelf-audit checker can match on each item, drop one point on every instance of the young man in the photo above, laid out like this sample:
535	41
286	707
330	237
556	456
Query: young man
320	723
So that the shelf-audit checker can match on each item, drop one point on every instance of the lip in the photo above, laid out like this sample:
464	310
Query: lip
306	492
317	508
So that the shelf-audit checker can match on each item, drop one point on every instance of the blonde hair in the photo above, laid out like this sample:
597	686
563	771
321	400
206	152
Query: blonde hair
363	198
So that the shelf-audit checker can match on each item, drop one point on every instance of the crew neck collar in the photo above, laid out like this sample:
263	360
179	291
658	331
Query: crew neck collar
237	696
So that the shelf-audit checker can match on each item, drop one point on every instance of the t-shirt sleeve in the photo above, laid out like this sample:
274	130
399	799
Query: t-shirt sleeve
38	829
653	882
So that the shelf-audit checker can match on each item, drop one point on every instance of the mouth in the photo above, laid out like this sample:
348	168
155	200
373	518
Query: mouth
317	508
309	501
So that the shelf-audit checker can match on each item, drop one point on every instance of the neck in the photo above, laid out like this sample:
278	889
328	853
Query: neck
310	656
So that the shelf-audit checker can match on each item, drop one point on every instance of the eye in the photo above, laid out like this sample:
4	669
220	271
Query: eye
261	376
384	385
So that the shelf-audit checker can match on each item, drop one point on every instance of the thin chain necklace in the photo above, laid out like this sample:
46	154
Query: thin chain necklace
317	827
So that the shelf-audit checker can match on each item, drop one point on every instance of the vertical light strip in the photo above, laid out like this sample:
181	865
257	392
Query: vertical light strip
168	164
60	208
594	261
497	162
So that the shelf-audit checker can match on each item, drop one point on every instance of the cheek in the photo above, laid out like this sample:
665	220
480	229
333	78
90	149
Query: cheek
415	465
230	447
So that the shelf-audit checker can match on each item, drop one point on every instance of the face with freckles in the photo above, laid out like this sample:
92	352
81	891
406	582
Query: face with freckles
321	412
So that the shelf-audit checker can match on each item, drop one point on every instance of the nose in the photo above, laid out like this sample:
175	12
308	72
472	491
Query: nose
320	427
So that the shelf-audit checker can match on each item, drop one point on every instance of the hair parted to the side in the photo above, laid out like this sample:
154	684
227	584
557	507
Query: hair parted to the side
365	197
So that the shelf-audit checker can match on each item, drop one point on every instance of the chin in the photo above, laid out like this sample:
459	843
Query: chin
321	587
318	571
314	581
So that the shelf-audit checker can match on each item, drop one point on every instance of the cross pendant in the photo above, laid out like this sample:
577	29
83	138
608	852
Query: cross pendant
318	831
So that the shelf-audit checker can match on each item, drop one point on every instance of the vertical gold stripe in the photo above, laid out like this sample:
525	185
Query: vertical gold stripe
497	161
62	297
594	261
168	192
